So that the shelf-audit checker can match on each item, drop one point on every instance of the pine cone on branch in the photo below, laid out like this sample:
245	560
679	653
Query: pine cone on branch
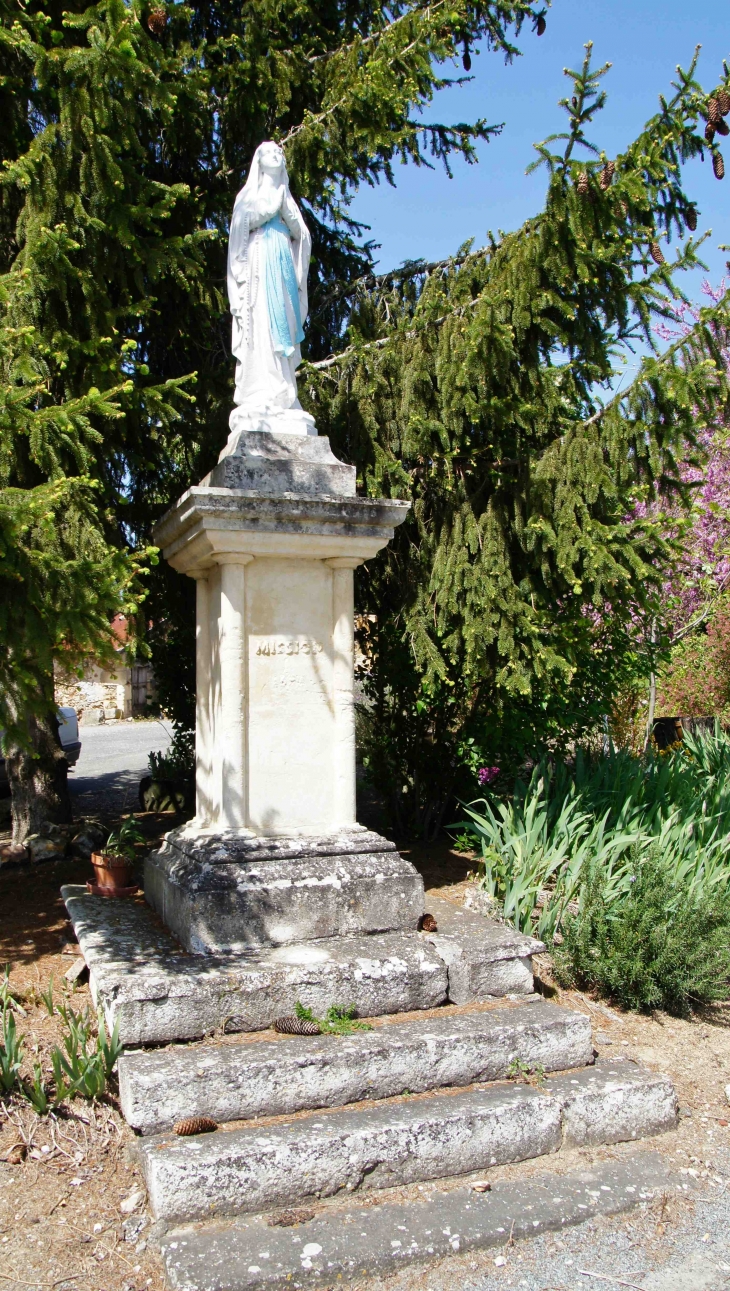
709	132
582	185
690	218
722	127
655	252
157	21
723	102
713	110
466	58
718	165
607	175
195	1125
296	1026
540	26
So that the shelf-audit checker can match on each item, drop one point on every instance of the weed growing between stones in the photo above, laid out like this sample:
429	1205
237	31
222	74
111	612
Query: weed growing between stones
336	1021
526	1074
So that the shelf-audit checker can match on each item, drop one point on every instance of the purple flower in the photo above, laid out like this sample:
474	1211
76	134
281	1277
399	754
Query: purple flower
485	775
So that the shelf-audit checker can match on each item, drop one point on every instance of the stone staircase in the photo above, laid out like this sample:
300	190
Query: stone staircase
465	1069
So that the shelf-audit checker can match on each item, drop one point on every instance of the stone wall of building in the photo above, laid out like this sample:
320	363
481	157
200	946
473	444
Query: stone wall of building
105	694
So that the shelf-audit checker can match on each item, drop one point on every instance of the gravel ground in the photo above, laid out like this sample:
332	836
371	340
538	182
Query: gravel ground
677	1245
112	762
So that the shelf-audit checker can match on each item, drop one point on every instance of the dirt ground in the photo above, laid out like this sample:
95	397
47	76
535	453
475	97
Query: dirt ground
64	1178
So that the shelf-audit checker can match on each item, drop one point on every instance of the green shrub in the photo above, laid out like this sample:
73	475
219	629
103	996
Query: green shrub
663	944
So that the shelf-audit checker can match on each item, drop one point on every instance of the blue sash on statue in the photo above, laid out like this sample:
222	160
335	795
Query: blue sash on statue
281	285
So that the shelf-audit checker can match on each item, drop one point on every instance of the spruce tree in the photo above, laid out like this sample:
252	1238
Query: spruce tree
507	612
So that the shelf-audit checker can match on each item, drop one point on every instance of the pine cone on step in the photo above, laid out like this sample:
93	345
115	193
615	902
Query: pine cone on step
288	1218
655	252
718	165
582	185
709	131
157	21
713	110
690	218
607	175
427	923
195	1125
296	1026
723	102
722	127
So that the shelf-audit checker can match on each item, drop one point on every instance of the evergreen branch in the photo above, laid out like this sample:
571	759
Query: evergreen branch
411	269
713	316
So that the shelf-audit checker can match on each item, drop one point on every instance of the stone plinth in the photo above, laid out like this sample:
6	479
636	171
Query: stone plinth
231	894
272	538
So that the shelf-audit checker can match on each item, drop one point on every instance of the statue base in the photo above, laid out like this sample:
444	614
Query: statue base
231	894
277	421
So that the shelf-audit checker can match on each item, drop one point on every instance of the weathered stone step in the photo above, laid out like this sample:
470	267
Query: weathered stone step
235	1081
428	1137
157	993
338	1244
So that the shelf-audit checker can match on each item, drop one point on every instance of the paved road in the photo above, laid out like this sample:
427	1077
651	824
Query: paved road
113	760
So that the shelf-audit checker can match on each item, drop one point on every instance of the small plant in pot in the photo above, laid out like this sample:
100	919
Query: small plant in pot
114	867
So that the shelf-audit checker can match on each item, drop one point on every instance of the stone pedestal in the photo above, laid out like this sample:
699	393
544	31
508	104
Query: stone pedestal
272	537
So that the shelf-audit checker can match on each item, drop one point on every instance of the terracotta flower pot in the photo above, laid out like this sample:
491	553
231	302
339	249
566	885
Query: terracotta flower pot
114	874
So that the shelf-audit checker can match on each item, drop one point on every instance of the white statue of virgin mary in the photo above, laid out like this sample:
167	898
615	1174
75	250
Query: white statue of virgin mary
268	260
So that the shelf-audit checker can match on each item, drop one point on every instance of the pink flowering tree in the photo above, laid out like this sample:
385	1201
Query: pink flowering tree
696	681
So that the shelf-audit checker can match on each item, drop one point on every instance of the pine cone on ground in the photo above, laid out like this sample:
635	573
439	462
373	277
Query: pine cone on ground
296	1026
656	253
723	102
718	165
582	185
15	1154
709	132
195	1125
157	21
690	218
722	127
713	110
607	175
427	923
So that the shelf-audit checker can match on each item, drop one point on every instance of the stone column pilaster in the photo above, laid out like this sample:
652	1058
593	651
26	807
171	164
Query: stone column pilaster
343	639
230	734
203	702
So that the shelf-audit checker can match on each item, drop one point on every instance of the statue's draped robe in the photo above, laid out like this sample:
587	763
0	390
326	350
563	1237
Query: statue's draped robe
268	260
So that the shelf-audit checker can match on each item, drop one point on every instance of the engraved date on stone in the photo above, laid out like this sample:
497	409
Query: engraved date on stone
283	646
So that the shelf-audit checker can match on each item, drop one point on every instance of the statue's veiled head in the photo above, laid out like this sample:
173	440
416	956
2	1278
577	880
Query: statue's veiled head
269	160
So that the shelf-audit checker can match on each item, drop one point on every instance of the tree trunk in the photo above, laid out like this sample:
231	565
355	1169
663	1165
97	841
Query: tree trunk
38	778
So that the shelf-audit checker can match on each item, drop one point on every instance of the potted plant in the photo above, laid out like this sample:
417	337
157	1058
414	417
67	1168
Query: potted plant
114	867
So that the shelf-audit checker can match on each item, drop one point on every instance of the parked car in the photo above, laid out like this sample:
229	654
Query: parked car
68	733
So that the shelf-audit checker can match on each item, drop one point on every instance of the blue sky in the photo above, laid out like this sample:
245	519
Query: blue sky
429	215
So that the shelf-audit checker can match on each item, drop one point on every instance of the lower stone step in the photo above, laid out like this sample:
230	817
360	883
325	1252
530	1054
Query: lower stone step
405	1141
156	992
263	1254
235	1081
